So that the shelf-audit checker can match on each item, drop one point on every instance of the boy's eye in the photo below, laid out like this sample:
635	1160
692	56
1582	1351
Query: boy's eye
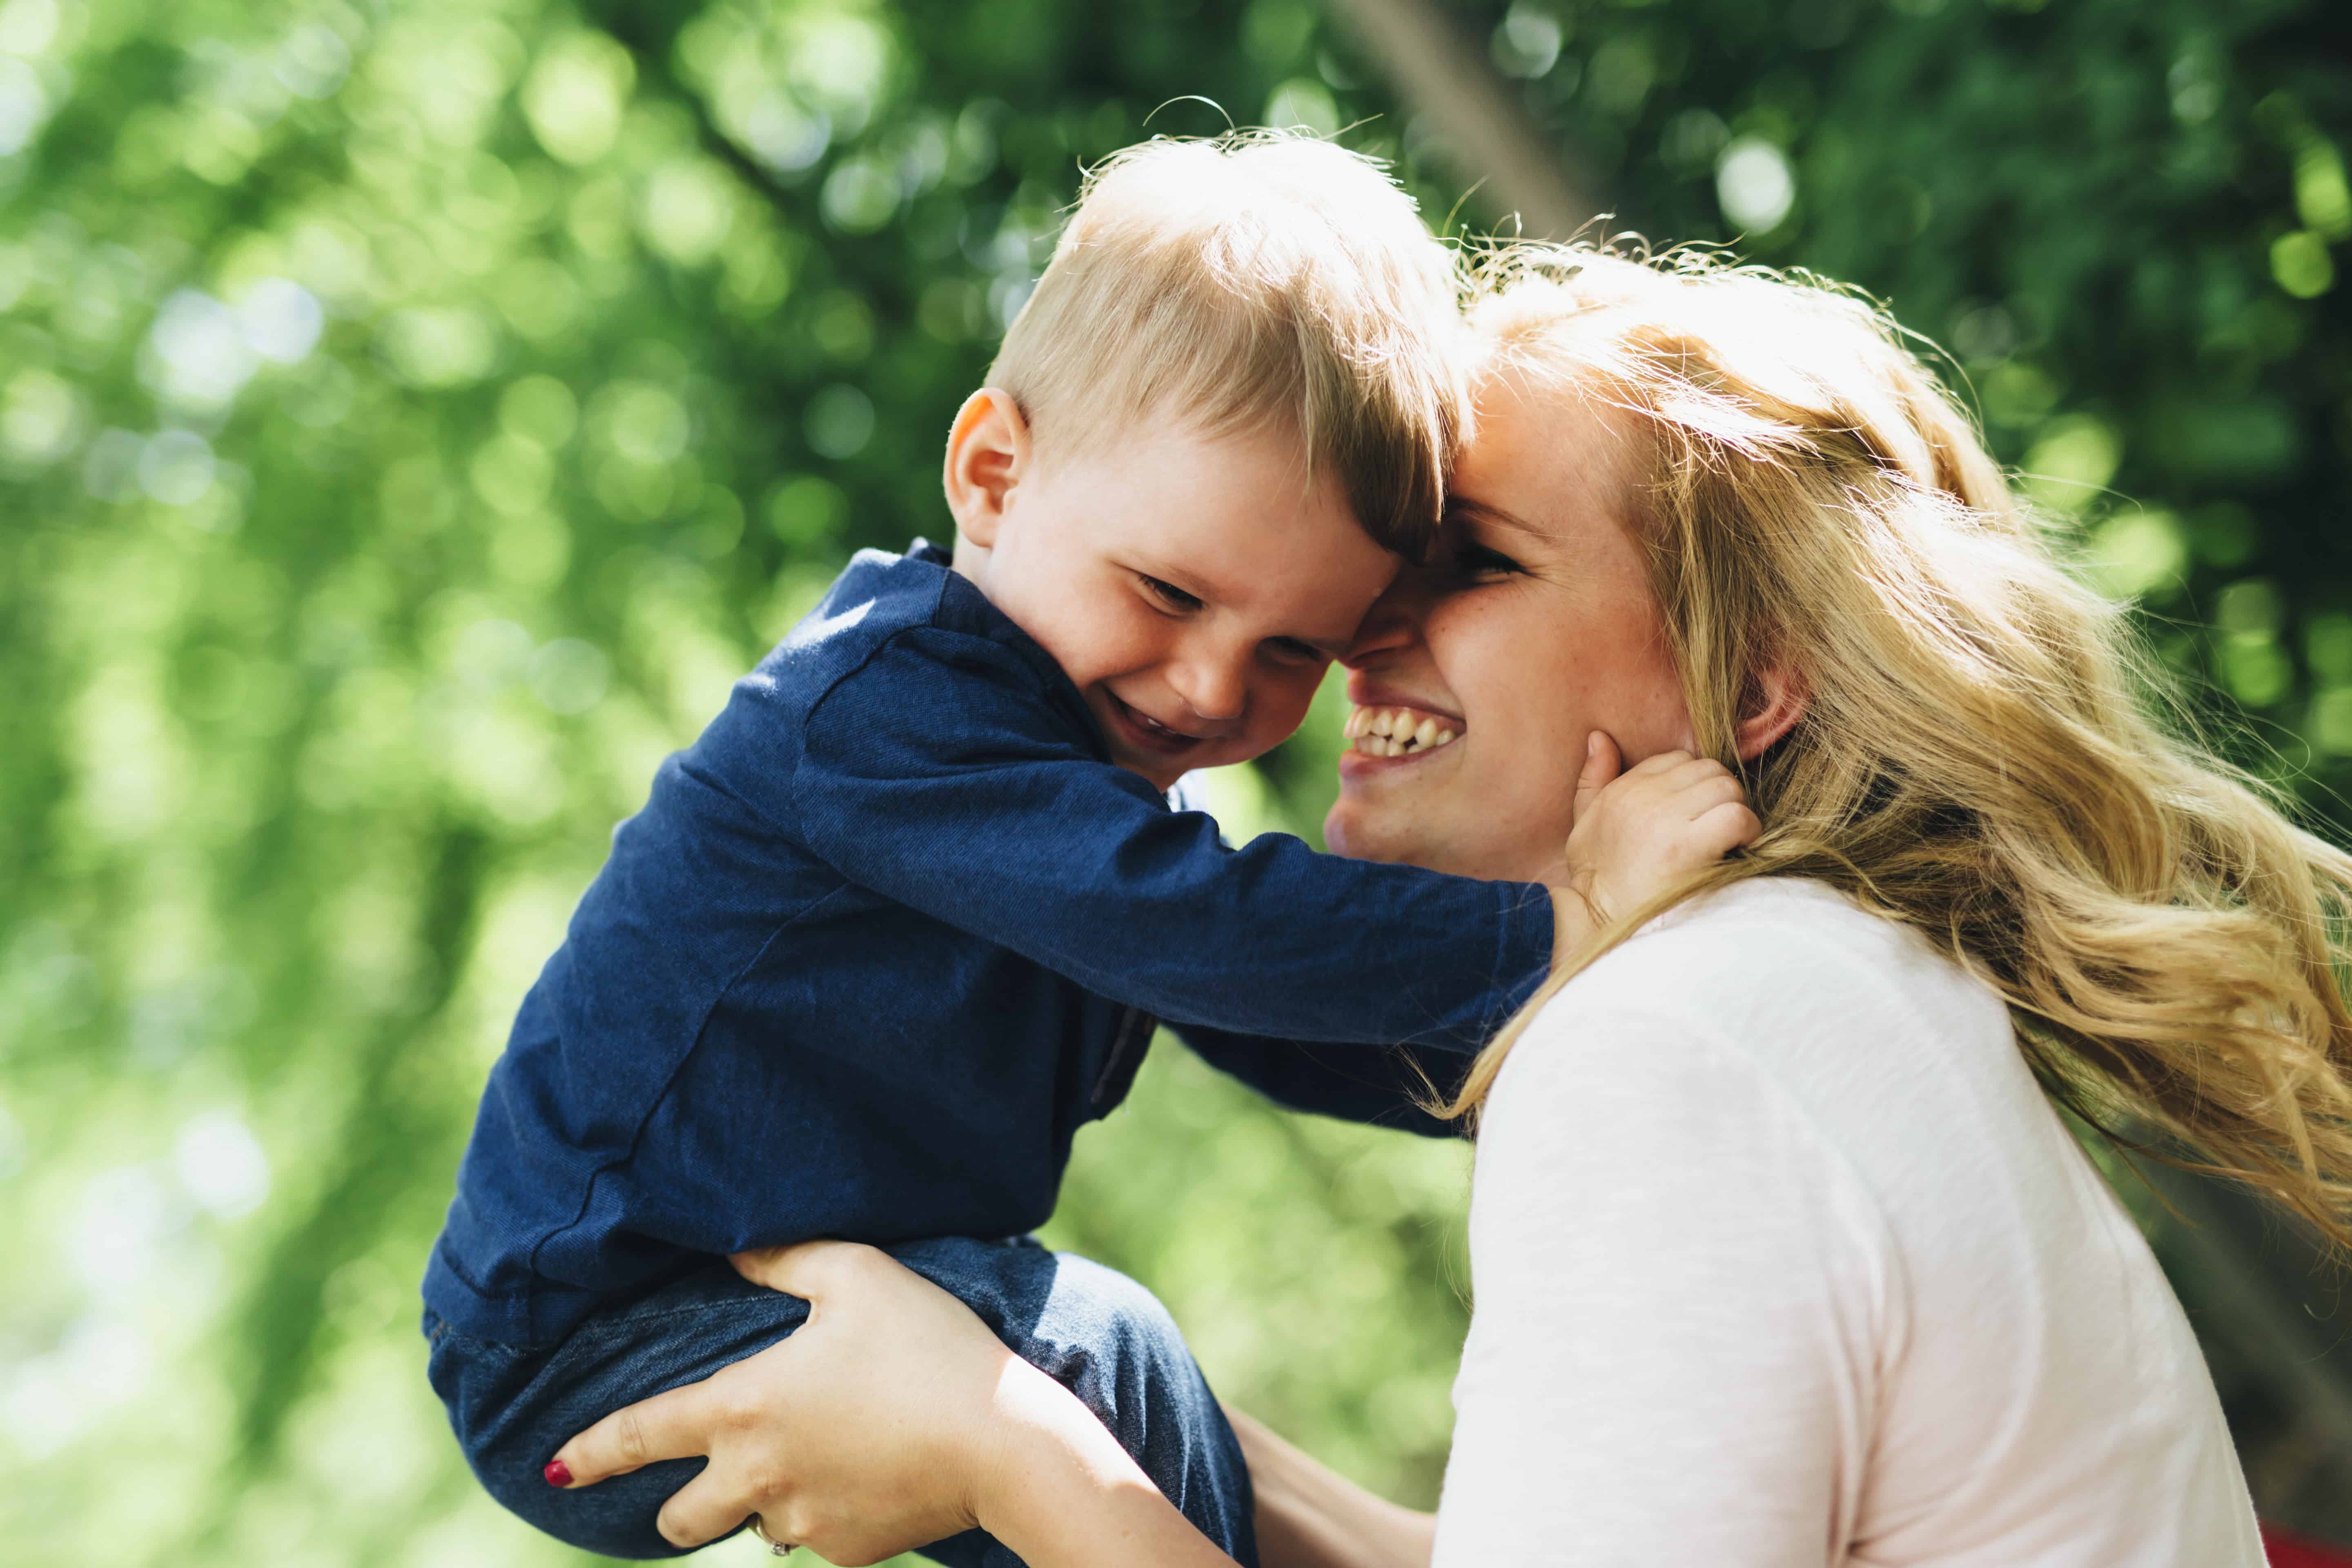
1168	593
1290	650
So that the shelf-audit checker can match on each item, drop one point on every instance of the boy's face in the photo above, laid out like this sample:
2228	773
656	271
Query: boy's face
1193	588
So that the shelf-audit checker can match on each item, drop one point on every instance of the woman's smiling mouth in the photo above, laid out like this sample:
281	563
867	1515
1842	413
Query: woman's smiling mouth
1398	731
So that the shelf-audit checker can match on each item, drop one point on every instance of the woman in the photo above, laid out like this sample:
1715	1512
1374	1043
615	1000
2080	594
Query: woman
1780	1253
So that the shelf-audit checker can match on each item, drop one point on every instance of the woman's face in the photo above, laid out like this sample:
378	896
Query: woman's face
1538	632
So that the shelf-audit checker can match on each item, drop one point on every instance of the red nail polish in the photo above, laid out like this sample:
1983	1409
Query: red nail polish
558	1473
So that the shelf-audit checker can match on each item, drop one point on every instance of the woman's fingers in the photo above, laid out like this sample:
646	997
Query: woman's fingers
673	1425
706	1507
807	1270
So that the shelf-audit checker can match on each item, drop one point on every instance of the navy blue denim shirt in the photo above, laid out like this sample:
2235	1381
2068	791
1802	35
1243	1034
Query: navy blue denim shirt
885	935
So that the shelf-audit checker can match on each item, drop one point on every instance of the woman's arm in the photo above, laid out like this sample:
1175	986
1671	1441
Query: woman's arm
1311	1516
1061	1493
891	1419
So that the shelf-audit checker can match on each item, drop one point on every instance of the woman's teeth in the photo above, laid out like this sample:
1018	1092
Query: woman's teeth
1396	732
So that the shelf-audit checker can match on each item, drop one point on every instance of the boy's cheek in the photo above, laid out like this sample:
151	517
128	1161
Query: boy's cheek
1282	716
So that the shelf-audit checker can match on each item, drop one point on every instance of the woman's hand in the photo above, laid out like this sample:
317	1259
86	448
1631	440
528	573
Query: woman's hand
888	1420
863	1435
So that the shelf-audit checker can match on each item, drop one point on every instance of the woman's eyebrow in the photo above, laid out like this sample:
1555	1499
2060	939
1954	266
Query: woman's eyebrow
1464	508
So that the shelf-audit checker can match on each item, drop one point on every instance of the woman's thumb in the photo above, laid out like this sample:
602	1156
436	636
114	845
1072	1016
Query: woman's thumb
801	1270
1601	761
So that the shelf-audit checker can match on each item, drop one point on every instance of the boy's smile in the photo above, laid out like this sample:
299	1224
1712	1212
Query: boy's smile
1193	587
1141	729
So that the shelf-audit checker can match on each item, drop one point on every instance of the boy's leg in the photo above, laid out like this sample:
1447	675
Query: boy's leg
1100	1333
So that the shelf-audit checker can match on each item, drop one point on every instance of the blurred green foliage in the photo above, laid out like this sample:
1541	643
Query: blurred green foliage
413	414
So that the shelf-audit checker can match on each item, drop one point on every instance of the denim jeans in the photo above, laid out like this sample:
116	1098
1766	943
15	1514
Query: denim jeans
1101	1334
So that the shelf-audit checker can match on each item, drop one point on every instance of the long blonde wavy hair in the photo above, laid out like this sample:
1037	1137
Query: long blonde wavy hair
1986	753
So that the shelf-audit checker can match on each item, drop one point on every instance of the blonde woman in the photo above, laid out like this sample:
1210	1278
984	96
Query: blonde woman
1782	1254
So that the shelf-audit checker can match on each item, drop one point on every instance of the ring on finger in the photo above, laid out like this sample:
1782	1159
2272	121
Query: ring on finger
775	1548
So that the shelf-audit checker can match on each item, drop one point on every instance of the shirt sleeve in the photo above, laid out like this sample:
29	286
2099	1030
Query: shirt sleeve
994	818
1382	1086
1677	1293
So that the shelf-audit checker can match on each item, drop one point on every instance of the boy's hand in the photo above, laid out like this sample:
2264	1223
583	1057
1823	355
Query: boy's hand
1637	831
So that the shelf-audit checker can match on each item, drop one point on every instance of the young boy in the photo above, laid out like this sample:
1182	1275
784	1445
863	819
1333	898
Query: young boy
909	909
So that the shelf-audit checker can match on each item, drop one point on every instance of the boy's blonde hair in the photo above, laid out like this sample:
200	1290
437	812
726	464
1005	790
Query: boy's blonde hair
1987	754
1259	278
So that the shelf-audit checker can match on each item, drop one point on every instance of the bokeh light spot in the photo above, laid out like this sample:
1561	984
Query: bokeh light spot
575	96
222	1165
860	195
2135	553
839	422
1754	184
570	676
690	206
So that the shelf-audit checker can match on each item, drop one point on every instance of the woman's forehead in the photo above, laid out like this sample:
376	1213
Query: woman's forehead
1545	460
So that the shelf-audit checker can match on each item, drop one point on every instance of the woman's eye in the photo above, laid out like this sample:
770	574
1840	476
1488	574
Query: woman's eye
1477	561
1168	593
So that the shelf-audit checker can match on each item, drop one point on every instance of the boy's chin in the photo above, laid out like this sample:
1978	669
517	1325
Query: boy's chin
1159	771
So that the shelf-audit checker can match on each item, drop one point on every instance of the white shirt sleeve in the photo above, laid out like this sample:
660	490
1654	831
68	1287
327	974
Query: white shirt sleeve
1681	1294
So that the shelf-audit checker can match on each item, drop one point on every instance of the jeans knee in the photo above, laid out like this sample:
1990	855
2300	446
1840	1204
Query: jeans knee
616	1518
1115	1345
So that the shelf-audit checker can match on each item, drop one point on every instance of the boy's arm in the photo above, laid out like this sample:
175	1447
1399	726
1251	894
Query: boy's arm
1634	832
995	820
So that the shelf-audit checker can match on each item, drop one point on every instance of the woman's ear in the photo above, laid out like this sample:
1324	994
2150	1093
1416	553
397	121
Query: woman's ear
989	455
1775	700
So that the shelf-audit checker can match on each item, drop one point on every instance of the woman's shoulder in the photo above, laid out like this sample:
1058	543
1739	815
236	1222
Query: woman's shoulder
1775	961
1841	1026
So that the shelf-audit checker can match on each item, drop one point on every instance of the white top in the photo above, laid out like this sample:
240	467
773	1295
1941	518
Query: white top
1782	1258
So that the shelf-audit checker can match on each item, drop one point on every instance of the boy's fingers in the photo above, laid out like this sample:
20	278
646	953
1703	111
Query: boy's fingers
1728	825
1696	770
673	1425
1659	763
1704	795
1601	766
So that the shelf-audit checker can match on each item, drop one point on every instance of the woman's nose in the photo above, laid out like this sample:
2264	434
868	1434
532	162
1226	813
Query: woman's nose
1393	622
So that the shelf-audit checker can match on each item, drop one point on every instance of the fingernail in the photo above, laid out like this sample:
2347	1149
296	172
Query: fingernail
558	1473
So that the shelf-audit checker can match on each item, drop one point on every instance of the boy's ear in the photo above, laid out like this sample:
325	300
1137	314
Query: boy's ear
1775	700
988	453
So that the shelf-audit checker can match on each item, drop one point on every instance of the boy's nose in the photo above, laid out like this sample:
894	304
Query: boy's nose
1212	689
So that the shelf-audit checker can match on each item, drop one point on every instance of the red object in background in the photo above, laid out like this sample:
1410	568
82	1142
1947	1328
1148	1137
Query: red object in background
2288	1550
